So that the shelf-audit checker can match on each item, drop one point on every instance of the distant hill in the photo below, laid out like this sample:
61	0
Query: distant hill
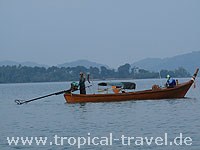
27	63
189	61
82	62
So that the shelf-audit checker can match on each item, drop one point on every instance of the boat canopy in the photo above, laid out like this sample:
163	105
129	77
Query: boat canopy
123	85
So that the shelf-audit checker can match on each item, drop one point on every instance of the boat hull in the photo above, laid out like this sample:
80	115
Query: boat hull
164	93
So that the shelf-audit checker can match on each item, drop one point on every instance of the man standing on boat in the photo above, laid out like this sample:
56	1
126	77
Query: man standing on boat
170	82
82	83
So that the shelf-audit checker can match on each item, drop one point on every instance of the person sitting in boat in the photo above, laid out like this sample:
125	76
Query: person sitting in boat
170	82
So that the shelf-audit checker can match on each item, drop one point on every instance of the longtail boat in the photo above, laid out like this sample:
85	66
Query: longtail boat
156	93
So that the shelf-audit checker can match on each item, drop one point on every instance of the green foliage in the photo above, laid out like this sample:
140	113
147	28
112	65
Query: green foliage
124	71
22	74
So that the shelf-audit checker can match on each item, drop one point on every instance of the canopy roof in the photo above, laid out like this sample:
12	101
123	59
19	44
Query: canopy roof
124	85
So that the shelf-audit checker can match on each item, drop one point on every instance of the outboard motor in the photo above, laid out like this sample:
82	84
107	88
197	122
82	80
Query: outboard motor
74	86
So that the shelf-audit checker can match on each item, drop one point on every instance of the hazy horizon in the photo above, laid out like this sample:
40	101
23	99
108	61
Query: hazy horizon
47	65
110	32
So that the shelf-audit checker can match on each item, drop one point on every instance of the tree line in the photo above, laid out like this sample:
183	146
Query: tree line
25	74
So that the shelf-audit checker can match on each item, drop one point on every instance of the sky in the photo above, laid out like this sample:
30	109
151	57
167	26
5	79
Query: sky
111	32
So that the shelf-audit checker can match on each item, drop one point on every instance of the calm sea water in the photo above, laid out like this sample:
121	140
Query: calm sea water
52	116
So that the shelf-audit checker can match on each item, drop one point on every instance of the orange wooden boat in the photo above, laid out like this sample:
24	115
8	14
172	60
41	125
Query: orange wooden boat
156	93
